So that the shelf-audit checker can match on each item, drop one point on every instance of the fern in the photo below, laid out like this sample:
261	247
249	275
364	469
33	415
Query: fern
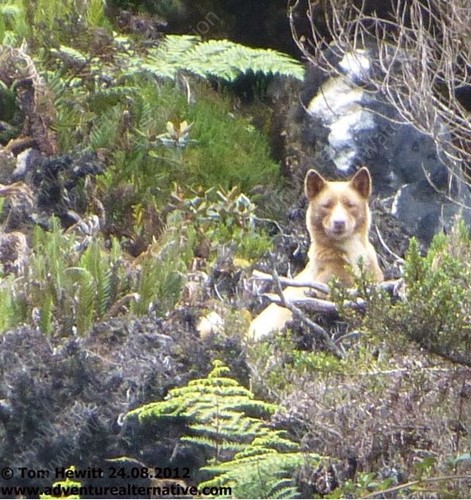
69	488
105	132
267	475
8	311
98	266
162	275
13	24
213	58
225	418
46	314
83	297
95	12
48	12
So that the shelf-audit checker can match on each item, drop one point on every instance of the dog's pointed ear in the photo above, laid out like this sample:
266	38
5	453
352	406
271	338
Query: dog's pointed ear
361	181
314	183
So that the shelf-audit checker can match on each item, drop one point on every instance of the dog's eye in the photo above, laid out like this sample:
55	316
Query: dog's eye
327	204
350	204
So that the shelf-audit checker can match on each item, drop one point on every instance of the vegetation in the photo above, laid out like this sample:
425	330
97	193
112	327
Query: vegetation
224	418
72	281
63	489
168	150
436	309
388	403
178	190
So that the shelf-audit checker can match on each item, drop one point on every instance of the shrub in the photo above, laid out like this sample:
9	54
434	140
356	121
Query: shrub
436	310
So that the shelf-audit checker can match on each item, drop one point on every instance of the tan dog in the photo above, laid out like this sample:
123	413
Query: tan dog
338	220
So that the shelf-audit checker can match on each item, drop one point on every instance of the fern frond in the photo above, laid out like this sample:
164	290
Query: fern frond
213	58
13	24
7	304
266	476
209	443
96	263
69	53
46	314
84	298
264	460
95	13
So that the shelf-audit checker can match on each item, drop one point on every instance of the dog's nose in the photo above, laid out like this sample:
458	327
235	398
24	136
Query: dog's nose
339	225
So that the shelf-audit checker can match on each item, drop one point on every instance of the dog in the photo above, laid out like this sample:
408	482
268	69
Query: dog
338	220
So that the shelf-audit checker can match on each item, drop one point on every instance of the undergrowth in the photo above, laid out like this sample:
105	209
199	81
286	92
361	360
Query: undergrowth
394	407
129	126
70	281
244	452
435	312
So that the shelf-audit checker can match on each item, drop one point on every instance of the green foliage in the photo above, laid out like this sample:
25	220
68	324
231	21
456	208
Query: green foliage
260	471
224	418
63	489
13	22
163	266
364	484
154	133
213	58
225	216
10	306
436	310
281	365
216	408
70	282
62	21
128	123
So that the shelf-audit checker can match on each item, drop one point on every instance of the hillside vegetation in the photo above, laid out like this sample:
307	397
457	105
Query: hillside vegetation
149	198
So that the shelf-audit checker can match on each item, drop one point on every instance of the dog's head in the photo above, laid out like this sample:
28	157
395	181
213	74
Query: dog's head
337	210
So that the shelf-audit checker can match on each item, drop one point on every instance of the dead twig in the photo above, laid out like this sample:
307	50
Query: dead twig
319	306
391	286
420	481
297	313
320	287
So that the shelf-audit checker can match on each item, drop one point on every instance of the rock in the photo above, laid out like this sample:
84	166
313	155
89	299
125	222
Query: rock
345	125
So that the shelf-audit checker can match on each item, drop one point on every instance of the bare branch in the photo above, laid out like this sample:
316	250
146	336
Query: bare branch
320	287
319	306
297	313
420	54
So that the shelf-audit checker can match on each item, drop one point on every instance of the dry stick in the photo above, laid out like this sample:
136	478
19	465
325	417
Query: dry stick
385	246
310	303
320	287
389	286
317	329
420	481
316	305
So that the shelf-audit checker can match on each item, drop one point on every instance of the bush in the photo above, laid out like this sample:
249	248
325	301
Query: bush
436	310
